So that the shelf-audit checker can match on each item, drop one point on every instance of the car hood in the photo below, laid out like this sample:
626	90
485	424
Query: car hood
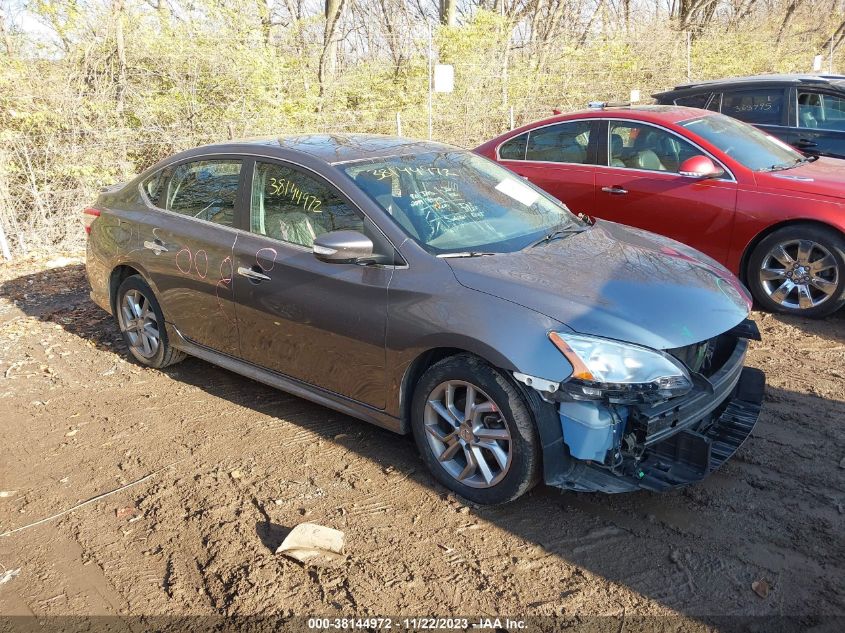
825	176
616	282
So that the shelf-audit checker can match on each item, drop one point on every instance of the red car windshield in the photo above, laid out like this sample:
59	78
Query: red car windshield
747	145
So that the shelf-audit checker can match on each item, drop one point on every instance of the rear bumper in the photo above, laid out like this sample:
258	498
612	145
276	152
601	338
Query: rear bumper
98	275
100	300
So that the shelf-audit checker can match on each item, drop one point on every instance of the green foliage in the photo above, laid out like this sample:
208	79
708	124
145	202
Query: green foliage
215	71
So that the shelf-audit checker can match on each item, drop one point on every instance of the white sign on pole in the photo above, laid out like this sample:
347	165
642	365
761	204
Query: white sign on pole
444	78
635	96
817	63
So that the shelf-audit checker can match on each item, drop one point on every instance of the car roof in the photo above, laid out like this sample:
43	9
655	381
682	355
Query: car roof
665	114
790	78
662	113
334	148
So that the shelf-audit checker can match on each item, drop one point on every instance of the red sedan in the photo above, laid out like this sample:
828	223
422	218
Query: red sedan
771	215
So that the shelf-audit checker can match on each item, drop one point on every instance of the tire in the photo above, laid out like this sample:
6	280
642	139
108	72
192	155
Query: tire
500	410
812	255
141	323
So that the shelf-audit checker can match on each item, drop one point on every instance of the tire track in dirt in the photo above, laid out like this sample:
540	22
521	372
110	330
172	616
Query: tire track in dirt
257	462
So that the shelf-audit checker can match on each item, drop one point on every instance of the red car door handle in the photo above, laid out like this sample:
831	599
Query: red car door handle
616	191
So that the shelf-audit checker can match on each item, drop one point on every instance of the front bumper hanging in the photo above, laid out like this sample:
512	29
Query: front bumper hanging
689	456
678	442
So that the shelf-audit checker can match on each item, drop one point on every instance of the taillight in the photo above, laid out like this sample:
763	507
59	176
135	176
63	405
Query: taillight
88	217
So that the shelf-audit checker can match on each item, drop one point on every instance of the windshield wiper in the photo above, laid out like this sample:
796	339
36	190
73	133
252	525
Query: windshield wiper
556	233
464	254
798	161
779	167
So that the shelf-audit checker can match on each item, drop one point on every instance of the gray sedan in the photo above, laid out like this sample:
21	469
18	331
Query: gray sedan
430	291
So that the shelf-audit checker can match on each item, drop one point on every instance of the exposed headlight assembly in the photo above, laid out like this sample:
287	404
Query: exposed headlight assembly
619	372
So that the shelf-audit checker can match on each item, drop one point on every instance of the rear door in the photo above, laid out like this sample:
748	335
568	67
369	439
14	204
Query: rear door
324	324
640	186
186	243
560	158
765	107
821	122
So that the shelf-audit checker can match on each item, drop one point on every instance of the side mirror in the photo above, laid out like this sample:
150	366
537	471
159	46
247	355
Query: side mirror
343	247
700	167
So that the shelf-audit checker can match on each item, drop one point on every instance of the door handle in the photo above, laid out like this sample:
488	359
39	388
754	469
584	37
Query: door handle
803	142
156	246
616	191
254	275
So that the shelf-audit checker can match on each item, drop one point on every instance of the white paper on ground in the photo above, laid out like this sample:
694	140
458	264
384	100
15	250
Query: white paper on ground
309	543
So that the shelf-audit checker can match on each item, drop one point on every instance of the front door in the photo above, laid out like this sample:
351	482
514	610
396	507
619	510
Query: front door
186	241
324	324
559	158
821	123
641	187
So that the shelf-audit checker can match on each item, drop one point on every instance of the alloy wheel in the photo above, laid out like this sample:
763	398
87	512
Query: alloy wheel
799	274
138	321
467	434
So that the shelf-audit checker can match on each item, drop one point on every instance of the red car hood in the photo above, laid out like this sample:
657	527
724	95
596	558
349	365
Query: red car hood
825	176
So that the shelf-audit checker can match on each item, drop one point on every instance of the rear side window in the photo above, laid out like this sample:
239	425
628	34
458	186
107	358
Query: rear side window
205	189
514	149
561	143
715	103
760	107
694	101
153	187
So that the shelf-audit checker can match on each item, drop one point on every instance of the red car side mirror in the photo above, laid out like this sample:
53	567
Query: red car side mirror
700	167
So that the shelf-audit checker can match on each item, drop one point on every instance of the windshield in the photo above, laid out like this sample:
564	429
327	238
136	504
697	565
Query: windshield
457	202
744	143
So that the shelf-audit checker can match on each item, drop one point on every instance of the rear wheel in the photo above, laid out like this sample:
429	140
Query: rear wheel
799	270
475	431
141	322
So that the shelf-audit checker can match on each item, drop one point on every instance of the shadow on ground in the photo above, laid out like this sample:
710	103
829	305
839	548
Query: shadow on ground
770	511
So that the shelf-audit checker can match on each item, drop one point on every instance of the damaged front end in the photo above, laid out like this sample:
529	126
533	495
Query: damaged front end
692	411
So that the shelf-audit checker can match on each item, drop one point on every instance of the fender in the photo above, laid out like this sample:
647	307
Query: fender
525	346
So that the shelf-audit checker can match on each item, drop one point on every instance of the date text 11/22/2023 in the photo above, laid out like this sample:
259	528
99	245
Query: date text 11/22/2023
416	623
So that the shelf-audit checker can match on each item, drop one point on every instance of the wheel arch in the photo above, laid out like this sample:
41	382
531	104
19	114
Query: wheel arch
554	459
752	244
414	371
121	272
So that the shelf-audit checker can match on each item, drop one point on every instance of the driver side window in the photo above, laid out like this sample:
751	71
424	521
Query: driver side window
821	110
638	146
291	206
205	189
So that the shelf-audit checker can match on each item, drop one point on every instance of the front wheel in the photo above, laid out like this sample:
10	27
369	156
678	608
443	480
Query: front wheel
799	270
475	431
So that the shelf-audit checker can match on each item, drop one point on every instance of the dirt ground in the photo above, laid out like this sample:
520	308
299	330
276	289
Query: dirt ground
222	467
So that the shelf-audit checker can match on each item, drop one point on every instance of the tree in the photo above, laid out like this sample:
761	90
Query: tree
328	56
7	37
119	13
447	12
